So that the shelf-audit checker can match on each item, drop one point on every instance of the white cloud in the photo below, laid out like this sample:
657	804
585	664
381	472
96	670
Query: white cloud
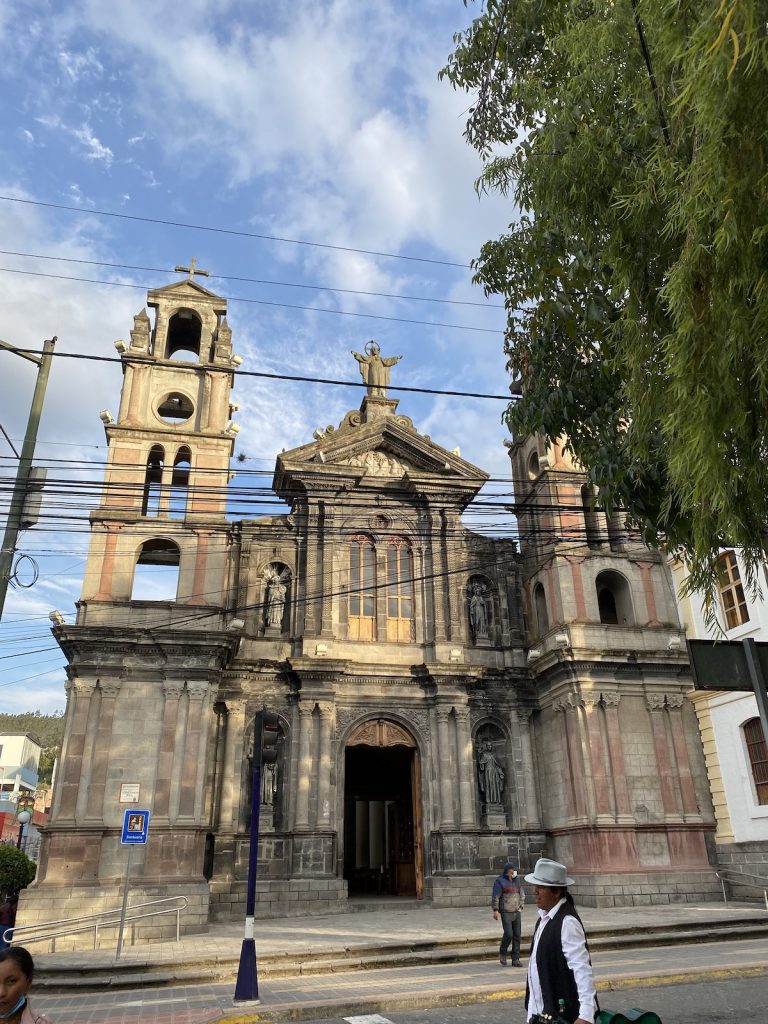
96	150
80	65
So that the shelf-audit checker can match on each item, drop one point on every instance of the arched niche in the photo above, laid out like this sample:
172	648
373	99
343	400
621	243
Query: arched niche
156	575
614	599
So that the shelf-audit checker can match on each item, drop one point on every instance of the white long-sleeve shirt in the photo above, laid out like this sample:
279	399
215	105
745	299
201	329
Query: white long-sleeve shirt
574	943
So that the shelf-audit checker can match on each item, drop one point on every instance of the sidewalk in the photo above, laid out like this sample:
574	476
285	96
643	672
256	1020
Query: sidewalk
323	966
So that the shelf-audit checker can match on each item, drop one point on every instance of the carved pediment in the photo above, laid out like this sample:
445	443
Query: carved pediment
379	463
381	733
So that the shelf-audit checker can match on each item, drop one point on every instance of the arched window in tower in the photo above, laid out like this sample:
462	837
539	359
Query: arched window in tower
362	593
184	336
614	600
400	620
156	577
732	599
757	752
591	522
480	608
153	481
540	608
177	505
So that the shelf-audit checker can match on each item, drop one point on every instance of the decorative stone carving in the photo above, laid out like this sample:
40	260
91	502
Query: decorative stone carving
141	331
675	700
374	369
405	421
381	733
655	701
611	698
490	774
268	784
378	463
276	577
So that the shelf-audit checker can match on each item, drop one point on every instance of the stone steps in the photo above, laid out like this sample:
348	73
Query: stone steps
105	975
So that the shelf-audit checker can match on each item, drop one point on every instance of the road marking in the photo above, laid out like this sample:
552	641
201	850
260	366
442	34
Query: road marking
368	1018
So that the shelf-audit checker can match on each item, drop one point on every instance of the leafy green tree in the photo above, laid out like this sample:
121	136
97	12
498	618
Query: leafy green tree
632	142
16	870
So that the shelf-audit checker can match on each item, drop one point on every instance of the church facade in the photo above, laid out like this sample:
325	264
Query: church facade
446	700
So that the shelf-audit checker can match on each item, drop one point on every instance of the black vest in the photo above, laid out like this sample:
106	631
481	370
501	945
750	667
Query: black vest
555	976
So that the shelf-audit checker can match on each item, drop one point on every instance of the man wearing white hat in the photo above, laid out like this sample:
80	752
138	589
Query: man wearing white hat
560	979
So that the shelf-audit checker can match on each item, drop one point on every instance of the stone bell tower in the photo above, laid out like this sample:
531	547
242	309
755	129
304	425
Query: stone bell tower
149	644
622	783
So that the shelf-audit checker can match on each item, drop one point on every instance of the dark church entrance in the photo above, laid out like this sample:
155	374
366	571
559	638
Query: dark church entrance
382	820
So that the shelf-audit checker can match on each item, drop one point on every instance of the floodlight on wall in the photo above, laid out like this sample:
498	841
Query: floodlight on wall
235	625
106	417
232	428
56	618
236	360
121	346
674	643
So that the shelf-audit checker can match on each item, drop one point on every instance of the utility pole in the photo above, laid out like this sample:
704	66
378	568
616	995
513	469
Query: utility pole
21	487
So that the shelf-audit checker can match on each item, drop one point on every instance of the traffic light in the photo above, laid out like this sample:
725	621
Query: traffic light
266	733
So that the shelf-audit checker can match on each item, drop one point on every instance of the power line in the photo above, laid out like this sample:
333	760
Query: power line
258	280
260	302
231	231
277	376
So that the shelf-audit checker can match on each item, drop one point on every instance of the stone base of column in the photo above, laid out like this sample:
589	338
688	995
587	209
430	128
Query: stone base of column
290	897
493	816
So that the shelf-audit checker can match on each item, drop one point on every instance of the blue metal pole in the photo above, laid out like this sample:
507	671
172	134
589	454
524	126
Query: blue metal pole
247	987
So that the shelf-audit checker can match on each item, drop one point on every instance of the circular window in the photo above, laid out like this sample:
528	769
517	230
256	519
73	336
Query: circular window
175	408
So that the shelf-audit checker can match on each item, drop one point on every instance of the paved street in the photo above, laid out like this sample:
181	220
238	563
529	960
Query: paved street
349	993
720	1002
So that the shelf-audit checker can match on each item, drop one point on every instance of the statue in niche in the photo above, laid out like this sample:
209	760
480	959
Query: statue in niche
277	590
478	610
374	369
490	774
268	784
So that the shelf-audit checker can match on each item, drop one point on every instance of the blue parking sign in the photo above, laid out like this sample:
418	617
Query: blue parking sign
135	827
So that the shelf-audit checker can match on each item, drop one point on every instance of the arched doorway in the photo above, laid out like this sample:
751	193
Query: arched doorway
383	836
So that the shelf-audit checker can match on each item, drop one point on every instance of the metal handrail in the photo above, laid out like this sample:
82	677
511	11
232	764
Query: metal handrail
737	878
75	925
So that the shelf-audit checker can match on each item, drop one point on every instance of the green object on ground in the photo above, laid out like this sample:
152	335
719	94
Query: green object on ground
630	1017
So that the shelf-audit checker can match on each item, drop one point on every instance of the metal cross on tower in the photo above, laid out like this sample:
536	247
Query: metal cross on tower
192	269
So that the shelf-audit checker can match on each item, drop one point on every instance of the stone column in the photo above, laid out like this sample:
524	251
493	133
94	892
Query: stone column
680	747
602	798
190	773
329	538
438	581
323	817
444	762
578	589
311	579
656	704
102	745
650	597
572	762
616	754
522	719
198	594
72	757
172	689
303	766
233	767
108	563
466	769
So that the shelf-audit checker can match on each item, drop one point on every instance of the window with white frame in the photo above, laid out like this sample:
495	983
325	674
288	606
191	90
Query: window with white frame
732	599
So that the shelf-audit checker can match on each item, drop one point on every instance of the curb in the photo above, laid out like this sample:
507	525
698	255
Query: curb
348	1008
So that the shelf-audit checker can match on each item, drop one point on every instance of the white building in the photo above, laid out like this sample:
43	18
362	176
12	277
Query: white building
734	744
19	761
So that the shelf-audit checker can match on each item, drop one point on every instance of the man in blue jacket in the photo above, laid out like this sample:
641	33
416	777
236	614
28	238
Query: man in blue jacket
507	901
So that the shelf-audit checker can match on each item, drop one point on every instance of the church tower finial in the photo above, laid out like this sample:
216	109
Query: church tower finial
191	269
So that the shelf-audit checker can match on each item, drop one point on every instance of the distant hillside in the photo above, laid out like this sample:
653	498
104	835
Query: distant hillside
48	729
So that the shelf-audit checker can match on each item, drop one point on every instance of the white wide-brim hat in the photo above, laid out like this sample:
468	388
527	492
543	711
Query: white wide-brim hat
549	872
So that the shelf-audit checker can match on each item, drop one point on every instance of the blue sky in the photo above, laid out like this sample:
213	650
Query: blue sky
318	121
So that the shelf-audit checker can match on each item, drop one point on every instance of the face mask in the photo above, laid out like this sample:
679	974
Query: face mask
16	1009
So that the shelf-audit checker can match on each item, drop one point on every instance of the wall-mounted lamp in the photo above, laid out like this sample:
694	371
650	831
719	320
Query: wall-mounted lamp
562	640
232	428
236	360
121	346
235	625
534	653
56	618
106	417
674	643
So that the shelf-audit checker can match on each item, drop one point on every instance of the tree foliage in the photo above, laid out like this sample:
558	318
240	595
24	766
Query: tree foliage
635	272
16	870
